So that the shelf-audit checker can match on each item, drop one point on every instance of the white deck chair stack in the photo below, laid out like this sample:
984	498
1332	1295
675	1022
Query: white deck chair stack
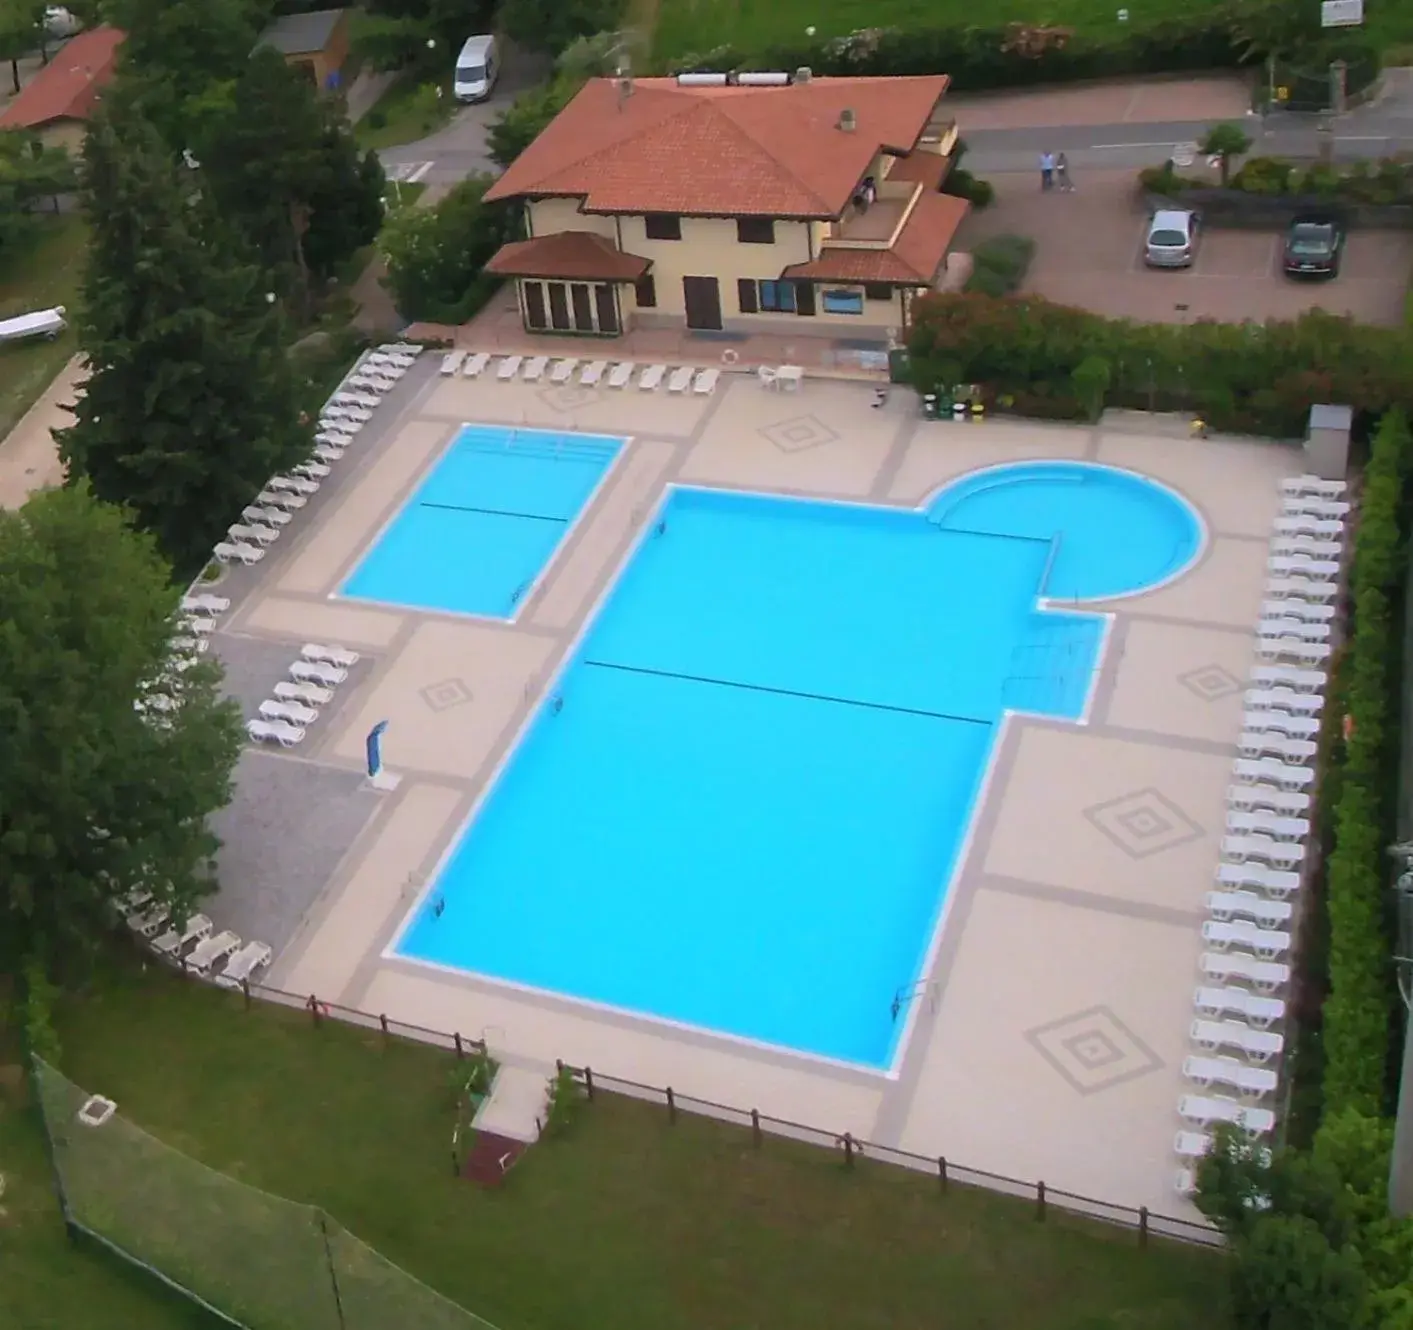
286	717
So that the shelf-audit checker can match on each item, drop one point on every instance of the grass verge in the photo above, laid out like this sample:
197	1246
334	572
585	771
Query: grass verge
408	110
49	274
625	1221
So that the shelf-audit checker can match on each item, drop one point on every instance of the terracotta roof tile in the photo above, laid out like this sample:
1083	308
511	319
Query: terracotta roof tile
732	151
913	260
568	256
928	169
69	85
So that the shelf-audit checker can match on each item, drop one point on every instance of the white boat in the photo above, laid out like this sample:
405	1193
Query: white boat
39	323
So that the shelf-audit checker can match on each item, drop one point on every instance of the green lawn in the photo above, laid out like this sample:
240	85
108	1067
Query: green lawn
47	275
626	1222
406	112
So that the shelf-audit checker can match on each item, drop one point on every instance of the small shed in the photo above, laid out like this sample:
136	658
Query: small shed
1327	443
316	44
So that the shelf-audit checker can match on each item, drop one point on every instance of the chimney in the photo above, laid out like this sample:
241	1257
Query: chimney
848	122
803	74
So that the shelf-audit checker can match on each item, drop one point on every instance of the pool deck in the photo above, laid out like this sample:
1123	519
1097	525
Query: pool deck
1048	1039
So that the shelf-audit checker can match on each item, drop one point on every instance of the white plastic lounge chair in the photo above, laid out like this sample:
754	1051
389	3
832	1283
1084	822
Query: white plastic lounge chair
1267	798
476	365
240	965
1191	1144
705	382
1260	1011
286	499
368	401
1285	699
148	923
766	377
1313	485
210	950
1281	722
1226	905
1207	1071
1258	1045
1268	771
1308	506
1265	944
1278	883
227	552
535	368
296	484
318	470
1303	588
1300	565
1290	648
274	732
1269	744
313	671
333	415
509	367
293	713
330	655
190	646
1306	547
452	362
368	383
649	379
1268	824
1185	1182
680	379
1207	1109
205	603
788	378
1283	854
590	375
253	535
308	693
621	375
409	349
387	373
563	370
198	626
1294	608
133	901
1319	527
175	940
1300	629
266	516
1290	676
1226	966
359	413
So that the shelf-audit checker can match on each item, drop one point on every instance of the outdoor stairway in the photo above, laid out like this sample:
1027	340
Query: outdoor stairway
516	1106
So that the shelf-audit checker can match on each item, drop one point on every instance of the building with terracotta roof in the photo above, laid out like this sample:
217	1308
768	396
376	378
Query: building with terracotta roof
735	206
57	102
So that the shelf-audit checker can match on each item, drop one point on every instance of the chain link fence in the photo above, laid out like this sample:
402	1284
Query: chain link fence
255	1260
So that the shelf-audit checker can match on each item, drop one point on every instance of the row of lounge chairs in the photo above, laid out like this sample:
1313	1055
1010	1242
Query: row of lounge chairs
344	414
285	718
194	944
588	374
1248	931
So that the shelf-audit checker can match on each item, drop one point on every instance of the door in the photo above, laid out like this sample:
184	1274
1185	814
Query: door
534	306
702	296
559	307
583	308
606	302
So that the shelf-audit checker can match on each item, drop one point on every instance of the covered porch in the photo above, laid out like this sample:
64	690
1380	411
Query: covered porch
569	283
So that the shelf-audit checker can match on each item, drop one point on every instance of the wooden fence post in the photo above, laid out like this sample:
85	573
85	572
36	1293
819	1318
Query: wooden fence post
1142	1225
755	1128
313	1005
456	1042
589	1082
847	1141
671	1106
383	1021
942	1171
245	988
1040	1201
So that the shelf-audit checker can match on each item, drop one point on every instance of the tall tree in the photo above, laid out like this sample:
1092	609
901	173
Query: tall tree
395	34
97	798
190	404
20	28
29	172
284	169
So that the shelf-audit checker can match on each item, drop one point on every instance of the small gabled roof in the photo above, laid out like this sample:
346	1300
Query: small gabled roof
726	151
301	34
69	85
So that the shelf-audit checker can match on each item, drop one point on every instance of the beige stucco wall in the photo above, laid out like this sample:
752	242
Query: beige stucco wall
550	216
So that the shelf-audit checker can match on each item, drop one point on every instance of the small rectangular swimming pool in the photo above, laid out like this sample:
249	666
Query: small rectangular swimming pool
479	532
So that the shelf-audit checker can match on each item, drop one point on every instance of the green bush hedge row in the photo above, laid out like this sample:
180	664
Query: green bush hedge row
1356	1012
1387	181
1250	378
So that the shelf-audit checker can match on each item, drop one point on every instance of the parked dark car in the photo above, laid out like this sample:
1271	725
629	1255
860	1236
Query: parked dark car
1313	246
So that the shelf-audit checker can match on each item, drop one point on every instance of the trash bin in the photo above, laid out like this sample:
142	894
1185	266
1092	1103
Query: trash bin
929	406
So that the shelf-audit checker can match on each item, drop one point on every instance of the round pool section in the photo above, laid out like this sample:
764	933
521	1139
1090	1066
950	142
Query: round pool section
1116	533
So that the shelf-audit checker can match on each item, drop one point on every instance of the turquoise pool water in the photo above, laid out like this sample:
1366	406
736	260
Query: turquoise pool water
741	805
481	529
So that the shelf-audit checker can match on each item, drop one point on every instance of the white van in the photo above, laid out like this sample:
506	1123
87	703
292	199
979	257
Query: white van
477	67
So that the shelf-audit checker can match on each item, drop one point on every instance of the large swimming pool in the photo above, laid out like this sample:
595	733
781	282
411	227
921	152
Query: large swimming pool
480	531
741	805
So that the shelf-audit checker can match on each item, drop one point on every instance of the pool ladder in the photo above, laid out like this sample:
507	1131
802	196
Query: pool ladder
909	993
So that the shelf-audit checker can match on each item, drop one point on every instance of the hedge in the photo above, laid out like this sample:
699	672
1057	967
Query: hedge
1249	378
1356	1012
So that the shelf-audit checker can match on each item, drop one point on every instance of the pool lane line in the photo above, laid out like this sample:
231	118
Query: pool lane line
493	512
787	692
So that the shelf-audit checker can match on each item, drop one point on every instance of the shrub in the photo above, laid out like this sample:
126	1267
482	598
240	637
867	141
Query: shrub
999	264
963	185
1091	379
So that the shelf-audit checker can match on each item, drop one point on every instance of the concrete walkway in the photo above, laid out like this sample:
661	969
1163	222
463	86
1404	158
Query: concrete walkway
29	457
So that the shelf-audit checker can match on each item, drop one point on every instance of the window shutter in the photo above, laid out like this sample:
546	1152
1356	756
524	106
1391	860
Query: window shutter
746	295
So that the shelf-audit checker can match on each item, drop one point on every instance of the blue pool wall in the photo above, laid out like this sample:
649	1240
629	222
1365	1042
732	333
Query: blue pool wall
914	1009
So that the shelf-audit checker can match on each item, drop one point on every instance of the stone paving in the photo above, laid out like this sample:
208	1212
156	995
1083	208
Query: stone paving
1048	1035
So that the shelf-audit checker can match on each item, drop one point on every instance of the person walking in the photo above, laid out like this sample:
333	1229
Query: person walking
1047	170
1062	174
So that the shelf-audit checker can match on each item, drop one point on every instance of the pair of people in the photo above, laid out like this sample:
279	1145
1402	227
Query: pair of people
1055	170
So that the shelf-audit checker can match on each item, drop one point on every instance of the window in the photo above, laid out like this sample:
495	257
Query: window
645	291
842	300
755	231
877	291
767	297
663	226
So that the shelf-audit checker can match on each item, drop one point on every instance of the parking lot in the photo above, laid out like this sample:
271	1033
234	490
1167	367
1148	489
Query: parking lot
1089	247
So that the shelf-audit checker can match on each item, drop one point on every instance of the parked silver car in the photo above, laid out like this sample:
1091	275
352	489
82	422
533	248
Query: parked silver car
1172	239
